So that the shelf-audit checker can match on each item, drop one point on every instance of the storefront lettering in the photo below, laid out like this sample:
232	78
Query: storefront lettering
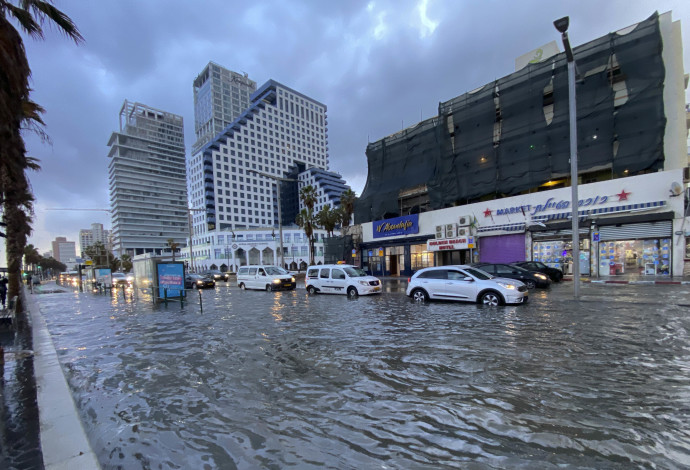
563	204
404	225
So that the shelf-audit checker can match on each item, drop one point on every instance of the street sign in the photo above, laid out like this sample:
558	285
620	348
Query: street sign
88	262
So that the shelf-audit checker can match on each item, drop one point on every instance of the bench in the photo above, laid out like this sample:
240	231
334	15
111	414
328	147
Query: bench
8	314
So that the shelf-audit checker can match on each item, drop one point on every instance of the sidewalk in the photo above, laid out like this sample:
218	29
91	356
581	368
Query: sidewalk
633	279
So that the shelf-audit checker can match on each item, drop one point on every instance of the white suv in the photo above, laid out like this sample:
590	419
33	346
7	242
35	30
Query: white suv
465	283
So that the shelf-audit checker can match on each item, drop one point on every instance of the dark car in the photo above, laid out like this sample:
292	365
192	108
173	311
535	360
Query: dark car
120	280
555	274
216	275
529	278
197	281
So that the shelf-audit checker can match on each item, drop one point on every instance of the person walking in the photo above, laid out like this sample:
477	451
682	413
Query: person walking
3	290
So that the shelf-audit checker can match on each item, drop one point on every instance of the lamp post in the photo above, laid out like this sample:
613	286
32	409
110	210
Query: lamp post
562	27
280	214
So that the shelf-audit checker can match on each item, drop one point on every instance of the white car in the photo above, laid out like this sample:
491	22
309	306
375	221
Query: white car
267	278
465	283
340	279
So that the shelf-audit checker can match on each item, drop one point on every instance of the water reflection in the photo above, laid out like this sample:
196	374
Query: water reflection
286	379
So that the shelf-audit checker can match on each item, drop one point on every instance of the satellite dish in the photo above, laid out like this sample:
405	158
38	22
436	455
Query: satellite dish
676	189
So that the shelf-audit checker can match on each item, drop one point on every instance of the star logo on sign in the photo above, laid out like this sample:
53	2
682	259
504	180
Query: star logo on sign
487	213
623	196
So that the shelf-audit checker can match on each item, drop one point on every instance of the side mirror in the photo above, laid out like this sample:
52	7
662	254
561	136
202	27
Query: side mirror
468	279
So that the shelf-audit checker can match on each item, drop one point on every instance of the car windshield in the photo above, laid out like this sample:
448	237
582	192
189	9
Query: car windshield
355	272
119	275
478	273
196	276
274	270
540	265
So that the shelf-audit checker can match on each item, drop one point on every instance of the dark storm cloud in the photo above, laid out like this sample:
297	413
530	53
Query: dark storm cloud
378	66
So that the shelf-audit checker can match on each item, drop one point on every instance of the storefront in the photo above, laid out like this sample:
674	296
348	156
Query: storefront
553	246
637	247
395	248
502	248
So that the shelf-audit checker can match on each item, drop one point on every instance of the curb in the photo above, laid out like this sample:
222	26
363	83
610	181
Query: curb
64	444
647	283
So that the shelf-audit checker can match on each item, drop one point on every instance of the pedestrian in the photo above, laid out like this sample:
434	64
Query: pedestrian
3	290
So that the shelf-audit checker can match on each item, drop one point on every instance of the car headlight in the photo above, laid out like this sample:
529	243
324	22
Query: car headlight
276	281
363	283
505	285
541	276
199	282
293	279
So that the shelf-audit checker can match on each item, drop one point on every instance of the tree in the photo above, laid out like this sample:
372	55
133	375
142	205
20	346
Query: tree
306	218
99	254
328	218
347	205
173	247
31	256
126	263
18	112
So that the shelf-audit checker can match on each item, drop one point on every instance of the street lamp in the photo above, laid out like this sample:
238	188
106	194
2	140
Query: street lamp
280	214
562	27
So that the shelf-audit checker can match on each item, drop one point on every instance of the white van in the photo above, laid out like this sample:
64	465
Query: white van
267	278
340	279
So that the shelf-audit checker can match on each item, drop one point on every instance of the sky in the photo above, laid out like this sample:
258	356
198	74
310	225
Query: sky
379	66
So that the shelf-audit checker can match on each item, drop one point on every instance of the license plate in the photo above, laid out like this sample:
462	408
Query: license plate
377	289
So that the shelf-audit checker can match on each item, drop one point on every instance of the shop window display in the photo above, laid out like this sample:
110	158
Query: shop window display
559	254
642	257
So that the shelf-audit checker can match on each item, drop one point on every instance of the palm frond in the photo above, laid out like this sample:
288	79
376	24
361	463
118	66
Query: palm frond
25	20
44	9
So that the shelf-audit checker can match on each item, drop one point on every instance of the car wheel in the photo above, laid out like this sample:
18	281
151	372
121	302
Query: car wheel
420	295
491	299
352	292
530	284
268	288
311	290
242	286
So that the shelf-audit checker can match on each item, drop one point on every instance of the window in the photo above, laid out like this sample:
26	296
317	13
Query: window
324	273
337	274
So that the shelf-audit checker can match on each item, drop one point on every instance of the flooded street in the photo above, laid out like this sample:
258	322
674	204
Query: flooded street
276	380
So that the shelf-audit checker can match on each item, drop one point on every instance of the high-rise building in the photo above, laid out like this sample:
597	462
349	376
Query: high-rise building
89	236
232	180
148	193
220	96
64	251
328	185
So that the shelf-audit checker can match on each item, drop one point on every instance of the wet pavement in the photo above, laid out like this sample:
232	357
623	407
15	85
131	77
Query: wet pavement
275	380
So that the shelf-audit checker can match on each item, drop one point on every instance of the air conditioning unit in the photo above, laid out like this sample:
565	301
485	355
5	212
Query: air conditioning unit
465	220
439	231
450	230
463	231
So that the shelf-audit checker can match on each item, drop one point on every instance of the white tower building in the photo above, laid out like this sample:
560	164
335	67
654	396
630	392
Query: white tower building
148	194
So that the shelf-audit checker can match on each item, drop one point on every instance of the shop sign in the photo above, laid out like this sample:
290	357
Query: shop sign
463	243
405	225
595	236
552	204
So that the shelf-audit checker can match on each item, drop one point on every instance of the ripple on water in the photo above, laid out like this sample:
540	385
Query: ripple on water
290	380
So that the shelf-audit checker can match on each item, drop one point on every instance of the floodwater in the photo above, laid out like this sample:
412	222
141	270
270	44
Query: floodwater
277	380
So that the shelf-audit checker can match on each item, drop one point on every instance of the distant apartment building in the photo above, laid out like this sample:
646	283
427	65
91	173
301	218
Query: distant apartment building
148	192
220	96
64	251
90	236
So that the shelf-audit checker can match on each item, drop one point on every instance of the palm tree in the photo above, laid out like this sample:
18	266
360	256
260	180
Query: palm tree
307	222
126	262
173	247
306	218
328	218
347	204
18	112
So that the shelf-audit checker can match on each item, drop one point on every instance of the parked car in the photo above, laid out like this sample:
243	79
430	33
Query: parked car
216	275
529	278
120	280
555	274
466	284
267	278
340	279
197	281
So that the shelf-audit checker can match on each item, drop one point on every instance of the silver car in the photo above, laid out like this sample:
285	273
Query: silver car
465	283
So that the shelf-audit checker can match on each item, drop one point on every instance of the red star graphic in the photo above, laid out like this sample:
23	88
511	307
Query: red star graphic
623	196
487	213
